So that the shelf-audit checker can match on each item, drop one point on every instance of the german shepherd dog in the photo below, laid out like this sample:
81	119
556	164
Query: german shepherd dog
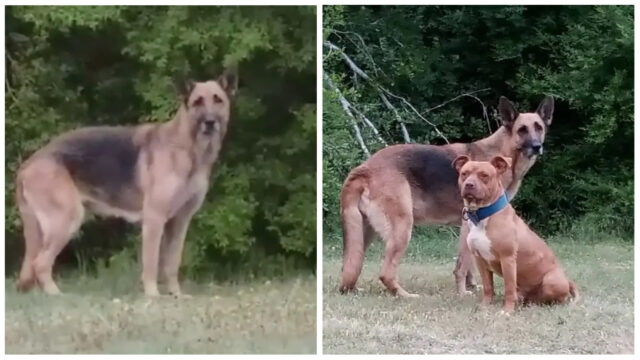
156	174
403	185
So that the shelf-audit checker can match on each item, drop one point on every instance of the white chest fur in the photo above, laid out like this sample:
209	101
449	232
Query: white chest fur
478	242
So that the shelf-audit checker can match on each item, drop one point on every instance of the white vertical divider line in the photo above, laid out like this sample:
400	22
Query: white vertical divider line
319	238
2	178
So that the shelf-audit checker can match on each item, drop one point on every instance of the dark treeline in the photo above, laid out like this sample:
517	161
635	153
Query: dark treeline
76	66
429	55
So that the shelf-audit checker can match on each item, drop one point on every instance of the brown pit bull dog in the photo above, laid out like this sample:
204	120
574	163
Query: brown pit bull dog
502	243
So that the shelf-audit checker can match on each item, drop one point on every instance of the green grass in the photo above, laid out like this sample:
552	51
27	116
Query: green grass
439	321
108	314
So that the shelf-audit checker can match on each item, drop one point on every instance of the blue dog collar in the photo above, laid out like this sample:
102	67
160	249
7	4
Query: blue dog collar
484	212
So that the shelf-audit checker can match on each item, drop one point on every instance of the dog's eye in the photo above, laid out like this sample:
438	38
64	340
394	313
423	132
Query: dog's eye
538	127
217	99
465	173
522	130
483	175
198	101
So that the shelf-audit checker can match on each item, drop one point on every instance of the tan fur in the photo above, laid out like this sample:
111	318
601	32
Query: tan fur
380	194
512	250
171	169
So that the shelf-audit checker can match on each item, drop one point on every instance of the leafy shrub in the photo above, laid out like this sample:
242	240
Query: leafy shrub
431	55
76	66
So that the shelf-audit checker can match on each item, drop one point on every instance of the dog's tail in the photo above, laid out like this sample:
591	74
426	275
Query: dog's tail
352	229
573	290
32	238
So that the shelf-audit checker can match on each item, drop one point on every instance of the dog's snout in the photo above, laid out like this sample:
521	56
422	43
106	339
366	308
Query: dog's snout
210	121
469	185
210	125
536	148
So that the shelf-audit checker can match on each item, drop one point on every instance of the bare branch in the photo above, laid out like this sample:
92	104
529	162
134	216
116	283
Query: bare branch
405	133
368	123
381	91
456	98
345	107
417	113
346	58
484	110
10	90
386	102
362	46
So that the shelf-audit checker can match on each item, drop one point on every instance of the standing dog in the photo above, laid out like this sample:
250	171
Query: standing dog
403	185
157	174
503	244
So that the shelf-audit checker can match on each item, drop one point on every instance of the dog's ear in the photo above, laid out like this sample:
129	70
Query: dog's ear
184	88
501	164
459	162
545	110
229	80
507	111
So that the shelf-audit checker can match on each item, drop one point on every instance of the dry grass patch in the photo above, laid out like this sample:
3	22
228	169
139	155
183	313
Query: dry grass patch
98	316
441	322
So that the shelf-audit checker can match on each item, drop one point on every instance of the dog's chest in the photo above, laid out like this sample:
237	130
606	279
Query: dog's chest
184	191
478	241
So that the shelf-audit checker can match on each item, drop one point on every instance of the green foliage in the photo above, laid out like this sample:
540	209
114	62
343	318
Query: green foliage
76	66
582	55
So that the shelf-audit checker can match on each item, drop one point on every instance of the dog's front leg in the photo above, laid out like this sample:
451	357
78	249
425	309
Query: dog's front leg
175	233
509	269
463	272
152	227
487	281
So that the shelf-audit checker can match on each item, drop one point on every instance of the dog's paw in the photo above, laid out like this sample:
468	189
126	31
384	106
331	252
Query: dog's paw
506	313
182	296
465	293
407	295
471	287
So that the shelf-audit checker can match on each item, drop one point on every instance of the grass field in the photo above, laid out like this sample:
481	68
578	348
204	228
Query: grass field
440	322
110	315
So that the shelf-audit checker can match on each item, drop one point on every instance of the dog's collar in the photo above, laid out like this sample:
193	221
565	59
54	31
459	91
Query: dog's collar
475	216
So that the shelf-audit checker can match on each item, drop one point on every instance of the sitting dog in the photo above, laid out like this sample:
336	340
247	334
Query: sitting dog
502	243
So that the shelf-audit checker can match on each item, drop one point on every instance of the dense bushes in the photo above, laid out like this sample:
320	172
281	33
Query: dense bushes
76	66
582	55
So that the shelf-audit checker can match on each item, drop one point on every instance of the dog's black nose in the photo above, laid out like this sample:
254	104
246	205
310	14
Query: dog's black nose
536	149
469	185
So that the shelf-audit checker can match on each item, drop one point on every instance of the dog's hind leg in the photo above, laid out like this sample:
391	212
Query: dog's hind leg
358	234
355	231
32	238
555	288
392	218
56	237
394	249
53	208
